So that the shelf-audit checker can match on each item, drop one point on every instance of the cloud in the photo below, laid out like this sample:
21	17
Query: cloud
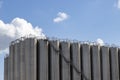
61	16
6	51
100	42
1	2
117	4
17	28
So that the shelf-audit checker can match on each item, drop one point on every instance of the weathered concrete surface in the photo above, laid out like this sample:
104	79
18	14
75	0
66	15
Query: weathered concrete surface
105	63
54	60
86	61
43	60
114	63
65	67
96	69
16	62
11	50
33	58
22	61
27	59
6	68
9	68
76	59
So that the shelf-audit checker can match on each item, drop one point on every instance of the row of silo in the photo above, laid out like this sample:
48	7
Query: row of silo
42	59
64	60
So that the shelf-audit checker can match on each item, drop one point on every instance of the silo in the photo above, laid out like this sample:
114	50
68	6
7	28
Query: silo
76	60
86	61
96	63
6	68
114	63
65	66
54	60
42	60
105	63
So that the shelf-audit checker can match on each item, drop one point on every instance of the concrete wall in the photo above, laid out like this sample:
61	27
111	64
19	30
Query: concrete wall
39	59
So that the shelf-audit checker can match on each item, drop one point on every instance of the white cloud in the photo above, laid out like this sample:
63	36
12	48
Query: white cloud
61	16
15	29
117	4
6	51
1	3
100	42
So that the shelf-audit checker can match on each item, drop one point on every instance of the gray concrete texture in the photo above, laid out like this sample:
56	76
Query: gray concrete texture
114	63
42	59
96	69
6	68
16	62
105	63
22	61
86	61
65	67
11	62
76	59
54	60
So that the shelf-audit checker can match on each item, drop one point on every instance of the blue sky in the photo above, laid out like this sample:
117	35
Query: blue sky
80	19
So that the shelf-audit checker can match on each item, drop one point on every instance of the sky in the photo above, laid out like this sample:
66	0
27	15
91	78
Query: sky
82	20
